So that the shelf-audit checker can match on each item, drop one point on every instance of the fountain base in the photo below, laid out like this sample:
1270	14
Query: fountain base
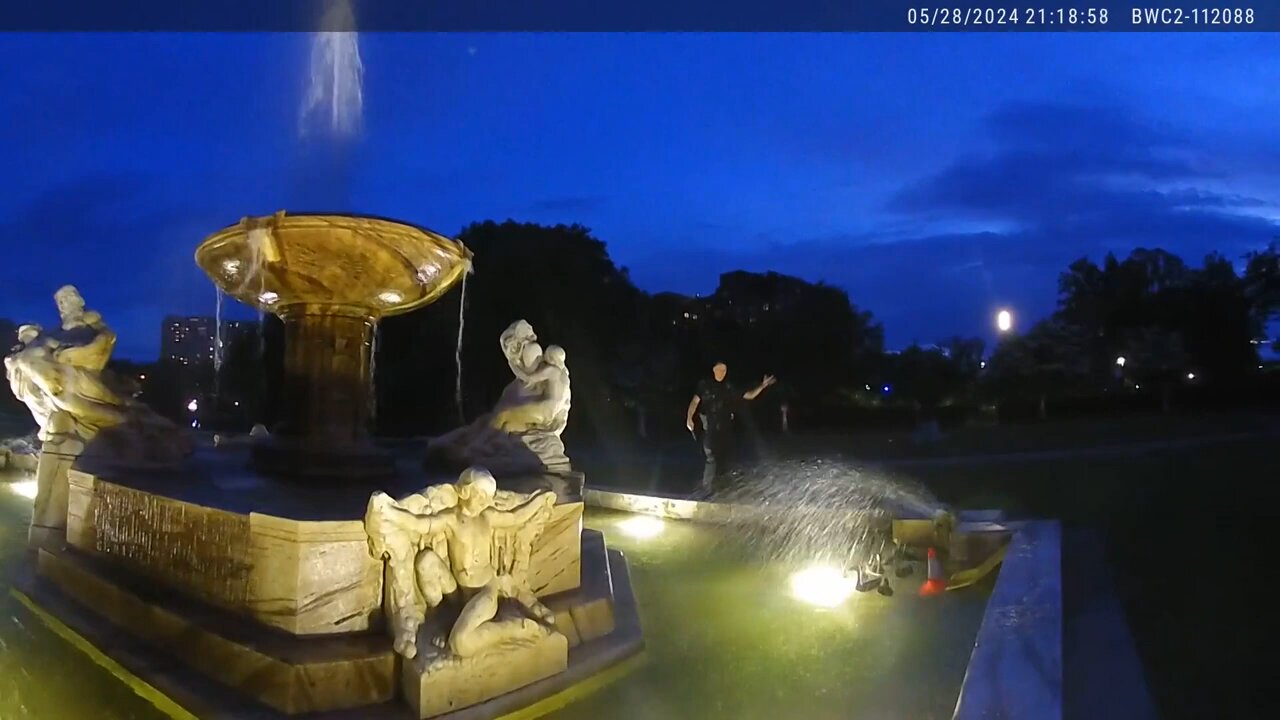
450	685
304	459
195	660
235	594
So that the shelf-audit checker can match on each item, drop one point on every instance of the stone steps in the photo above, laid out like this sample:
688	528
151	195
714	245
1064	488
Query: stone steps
290	674
231	668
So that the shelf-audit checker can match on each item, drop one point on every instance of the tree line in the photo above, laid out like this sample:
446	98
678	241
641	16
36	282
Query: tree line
635	357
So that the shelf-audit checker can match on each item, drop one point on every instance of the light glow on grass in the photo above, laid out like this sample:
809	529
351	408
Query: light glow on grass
642	527
823	586
25	488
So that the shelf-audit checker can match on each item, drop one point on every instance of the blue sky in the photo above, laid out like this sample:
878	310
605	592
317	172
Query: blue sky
934	177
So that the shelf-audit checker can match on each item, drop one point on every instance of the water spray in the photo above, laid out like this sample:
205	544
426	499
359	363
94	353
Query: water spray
457	352
373	372
335	97
217	343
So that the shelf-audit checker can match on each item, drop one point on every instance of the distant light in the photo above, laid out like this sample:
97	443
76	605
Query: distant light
823	586
25	488
1004	321
268	298
642	527
886	388
390	297
193	405
982	365
236	403
1137	387
1121	361
1191	376
142	377
867	387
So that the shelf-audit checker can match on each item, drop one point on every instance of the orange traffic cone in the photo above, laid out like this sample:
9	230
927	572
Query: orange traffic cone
936	582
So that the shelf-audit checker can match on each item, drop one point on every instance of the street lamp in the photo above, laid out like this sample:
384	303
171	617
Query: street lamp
1004	321
1120	361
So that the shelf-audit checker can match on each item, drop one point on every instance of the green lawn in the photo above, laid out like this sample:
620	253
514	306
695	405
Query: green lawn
1025	437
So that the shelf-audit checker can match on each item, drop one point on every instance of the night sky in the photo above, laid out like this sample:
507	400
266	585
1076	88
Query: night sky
934	177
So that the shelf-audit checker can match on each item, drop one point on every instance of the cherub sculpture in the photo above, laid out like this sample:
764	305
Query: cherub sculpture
61	378
522	432
467	541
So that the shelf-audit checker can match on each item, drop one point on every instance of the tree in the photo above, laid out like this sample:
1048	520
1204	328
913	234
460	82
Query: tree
1047	360
562	281
1262	285
1157	358
808	334
1215	321
241	381
8	340
923	376
966	357
1152	291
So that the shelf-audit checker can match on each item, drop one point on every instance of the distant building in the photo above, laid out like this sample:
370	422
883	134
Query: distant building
235	332
749	297
192	341
8	335
679	310
188	340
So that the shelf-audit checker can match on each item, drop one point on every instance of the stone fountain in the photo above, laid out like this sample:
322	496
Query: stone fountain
314	572
330	278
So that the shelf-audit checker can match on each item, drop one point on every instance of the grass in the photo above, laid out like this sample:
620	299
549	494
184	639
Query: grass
1026	437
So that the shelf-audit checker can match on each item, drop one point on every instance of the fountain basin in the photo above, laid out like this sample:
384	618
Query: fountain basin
238	581
299	562
329	278
372	265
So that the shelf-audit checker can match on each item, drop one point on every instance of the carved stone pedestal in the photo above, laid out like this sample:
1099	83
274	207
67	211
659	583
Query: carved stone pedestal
49	513
452	684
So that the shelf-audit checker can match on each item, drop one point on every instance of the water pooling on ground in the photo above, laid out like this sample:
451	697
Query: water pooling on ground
724	639
43	677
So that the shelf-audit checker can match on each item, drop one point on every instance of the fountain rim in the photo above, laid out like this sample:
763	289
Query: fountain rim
446	283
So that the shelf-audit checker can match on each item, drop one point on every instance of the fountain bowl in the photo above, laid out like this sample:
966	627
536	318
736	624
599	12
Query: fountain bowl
382	267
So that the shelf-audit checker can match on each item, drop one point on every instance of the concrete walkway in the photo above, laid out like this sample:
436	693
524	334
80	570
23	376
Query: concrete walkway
1103	677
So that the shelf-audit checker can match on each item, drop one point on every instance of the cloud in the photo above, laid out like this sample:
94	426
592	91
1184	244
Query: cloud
1059	182
1090	173
123	241
571	204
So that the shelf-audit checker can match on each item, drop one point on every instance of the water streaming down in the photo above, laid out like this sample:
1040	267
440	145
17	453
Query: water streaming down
822	511
373	374
217	342
457	350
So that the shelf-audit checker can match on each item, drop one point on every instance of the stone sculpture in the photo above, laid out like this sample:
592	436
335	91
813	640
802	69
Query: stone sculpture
522	432
468	543
61	378
83	412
